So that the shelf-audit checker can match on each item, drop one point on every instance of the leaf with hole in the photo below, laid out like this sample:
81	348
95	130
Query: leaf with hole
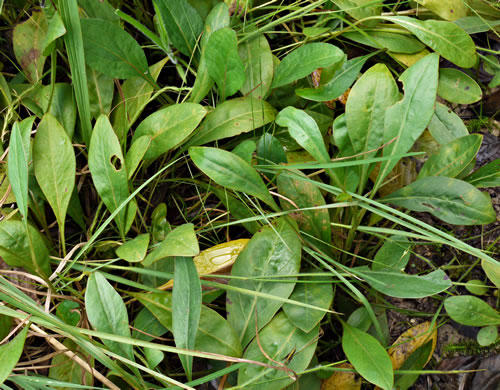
304	60
471	311
214	333
451	200
231	171
224	64
55	166
452	158
112	51
457	87
108	171
444	37
233	117
446	126
368	357
407	119
107	313
284	343
186	308
182	23
169	127
272	251
10	354
400	285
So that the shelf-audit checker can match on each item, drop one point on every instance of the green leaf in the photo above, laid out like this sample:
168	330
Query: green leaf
304	60
69	312
258	61
136	154
487	335
400	285
245	150
100	9
271	252
55	28
471	311
55	166
359	9
342	79
169	126
136	93
217	18
394	254
447	9
476	24
15	247
451	200
231	171
179	242
27	42
17	173
456	87
224	64
408	118
107	313
101	88
282	342
214	332
452	158
314	222
446	38
182	22
68	370
486	176
368	357
313	293
134	250
10	354
269	150
112	51
107	167
446	126
233	117
186	308
394	42
477	287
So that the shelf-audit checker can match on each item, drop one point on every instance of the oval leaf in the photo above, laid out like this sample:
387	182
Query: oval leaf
270	252
169	126
368	357
234	117
457	87
471	311
134	250
453	201
231	171
258	61
112	51
304	60
107	313
446	126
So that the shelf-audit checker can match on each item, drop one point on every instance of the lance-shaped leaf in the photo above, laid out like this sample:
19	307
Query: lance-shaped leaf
224	63
452	158
18	169
446	38
451	200
258	61
107	313
186	308
398	42
486	176
107	167
231	171
270	252
55	166
10	354
282	342
304	60
367	356
234	117
409	117
169	126
101	88
359	9
182	23
112	51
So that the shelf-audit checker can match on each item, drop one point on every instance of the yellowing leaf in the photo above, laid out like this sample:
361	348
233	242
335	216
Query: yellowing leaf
342	380
409	59
215	259
410	341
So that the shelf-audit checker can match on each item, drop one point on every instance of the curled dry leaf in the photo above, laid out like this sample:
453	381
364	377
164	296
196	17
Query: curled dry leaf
216	259
343	380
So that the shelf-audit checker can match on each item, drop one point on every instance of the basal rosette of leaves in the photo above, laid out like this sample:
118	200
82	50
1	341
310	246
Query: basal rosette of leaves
220	191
